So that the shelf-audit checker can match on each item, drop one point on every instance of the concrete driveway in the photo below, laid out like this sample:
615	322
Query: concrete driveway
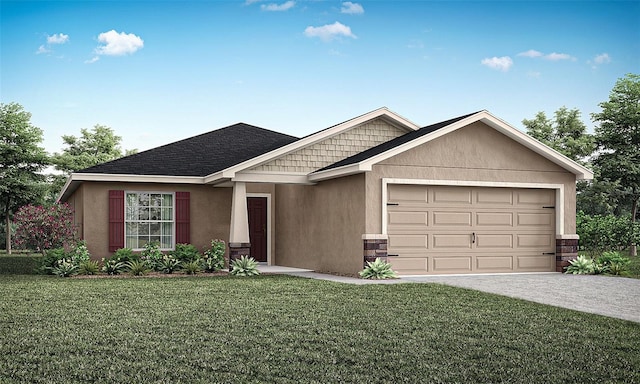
603	295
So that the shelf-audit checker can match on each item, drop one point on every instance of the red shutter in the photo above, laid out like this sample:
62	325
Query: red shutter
183	235
116	220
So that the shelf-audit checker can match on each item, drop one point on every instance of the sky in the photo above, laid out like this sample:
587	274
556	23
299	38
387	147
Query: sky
160	71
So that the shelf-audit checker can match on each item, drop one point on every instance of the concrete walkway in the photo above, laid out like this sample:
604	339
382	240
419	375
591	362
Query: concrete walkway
616	297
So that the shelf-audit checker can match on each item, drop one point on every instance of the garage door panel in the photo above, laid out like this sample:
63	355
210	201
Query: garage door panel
409	265
489	241
494	219
408	193
488	264
413	218
541	241
452	196
456	219
535	263
458	264
535	197
452	241
401	242
539	219
501	196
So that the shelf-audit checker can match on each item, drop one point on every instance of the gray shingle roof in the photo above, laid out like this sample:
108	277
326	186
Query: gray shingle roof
200	155
381	148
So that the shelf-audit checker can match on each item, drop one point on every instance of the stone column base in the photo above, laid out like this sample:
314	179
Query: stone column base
375	246
238	249
566	249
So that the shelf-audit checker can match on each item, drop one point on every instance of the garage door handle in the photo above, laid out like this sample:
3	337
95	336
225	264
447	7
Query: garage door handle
392	204
548	253
473	238
392	255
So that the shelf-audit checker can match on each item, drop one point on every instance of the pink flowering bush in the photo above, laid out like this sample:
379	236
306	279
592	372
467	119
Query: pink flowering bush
43	228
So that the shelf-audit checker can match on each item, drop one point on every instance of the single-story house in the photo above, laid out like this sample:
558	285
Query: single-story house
468	195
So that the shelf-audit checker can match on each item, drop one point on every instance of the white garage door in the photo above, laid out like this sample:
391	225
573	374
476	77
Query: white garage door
446	230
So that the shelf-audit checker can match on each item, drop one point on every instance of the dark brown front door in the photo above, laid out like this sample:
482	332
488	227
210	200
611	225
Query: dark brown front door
257	207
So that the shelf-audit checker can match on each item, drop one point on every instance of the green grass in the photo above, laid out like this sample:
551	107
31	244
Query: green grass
292	330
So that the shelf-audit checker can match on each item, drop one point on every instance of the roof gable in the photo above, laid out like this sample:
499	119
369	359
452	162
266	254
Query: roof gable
199	155
364	161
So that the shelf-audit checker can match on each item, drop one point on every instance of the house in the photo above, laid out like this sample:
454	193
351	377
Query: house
467	195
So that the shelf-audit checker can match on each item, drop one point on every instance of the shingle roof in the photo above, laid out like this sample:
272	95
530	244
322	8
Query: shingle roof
381	148
200	155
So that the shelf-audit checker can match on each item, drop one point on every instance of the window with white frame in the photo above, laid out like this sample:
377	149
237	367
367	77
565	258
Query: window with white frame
149	217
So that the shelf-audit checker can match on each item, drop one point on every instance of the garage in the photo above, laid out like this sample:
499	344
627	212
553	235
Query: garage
436	229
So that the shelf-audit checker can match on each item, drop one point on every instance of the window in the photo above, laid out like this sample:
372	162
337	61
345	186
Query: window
149	217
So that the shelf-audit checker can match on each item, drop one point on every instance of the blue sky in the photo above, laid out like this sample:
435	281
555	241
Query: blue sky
160	71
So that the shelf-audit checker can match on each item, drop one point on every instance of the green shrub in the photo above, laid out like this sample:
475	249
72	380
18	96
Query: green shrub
192	267
65	268
244	266
379	269
88	267
606	233
125	255
50	260
137	267
583	265
79	253
186	253
615	263
213	258
113	266
168	264
20	264
152	255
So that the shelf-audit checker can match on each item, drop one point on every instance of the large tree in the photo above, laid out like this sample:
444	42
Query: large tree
21	161
618	140
93	147
566	133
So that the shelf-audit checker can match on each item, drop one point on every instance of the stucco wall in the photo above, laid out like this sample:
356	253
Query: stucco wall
476	153
210	210
320	227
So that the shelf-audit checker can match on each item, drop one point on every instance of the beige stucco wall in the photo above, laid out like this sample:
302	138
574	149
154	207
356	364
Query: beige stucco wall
210	210
476	153
335	148
320	227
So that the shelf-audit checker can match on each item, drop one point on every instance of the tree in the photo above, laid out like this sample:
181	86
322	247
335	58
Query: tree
43	228
566	133
21	160
618	139
93	147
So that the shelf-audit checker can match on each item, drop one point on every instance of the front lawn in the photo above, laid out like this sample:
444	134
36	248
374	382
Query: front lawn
293	330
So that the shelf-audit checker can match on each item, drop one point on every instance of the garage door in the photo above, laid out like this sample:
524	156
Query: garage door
446	230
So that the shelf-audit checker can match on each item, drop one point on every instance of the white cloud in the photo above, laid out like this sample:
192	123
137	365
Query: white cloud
42	49
500	63
58	38
92	60
559	56
118	44
249	2
329	31
603	58
278	7
530	53
351	8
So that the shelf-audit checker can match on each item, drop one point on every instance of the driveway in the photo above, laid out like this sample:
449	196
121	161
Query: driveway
603	295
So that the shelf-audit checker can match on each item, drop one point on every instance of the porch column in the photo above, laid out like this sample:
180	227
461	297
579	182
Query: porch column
566	249
374	246
239	243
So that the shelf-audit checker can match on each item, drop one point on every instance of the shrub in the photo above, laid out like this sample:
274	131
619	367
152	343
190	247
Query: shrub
244	266
20	264
606	233
113	266
192	267
186	253
615	263
88	267
213	258
44	228
137	267
65	268
379	269
79	254
168	264
125	255
152	255
50	260
583	265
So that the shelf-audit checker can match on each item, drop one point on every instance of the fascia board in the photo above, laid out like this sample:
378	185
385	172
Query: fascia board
337	172
127	178
314	138
273	177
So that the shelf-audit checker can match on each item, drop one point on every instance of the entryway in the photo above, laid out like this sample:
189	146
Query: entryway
257	208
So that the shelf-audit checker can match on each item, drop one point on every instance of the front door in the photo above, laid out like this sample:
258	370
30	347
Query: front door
257	209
